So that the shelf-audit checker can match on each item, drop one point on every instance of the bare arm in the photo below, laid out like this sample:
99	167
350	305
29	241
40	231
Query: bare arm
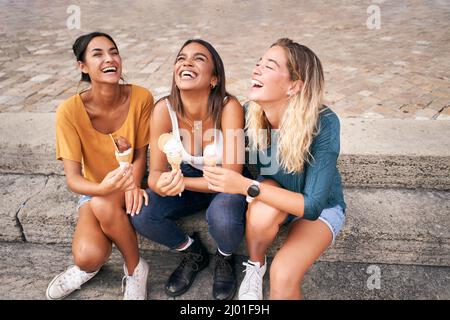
233	136
160	179
228	181
197	184
279	198
76	182
116	180
318	178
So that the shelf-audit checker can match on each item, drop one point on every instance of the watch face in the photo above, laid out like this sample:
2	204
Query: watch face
253	191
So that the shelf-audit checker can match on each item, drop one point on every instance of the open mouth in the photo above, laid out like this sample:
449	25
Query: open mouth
109	70
188	75
257	84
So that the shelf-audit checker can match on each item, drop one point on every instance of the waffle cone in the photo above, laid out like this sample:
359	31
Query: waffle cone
209	161
175	161
124	157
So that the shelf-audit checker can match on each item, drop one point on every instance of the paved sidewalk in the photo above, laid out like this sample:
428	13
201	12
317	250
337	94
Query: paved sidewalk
397	71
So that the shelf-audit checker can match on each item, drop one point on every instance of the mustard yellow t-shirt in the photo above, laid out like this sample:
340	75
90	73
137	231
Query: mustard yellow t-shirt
77	140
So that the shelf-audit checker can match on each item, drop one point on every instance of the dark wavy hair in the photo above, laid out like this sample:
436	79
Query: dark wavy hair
218	94
80	45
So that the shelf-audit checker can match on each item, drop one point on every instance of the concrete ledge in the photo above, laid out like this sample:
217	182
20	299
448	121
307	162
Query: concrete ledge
383	225
15	193
26	269
27	144
50	216
395	153
374	153
394	137
395	171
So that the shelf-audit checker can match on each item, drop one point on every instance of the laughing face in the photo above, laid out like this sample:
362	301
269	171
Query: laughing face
193	68
271	81
102	61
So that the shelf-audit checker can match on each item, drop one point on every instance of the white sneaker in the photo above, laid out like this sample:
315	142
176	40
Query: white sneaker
251	286
136	284
67	282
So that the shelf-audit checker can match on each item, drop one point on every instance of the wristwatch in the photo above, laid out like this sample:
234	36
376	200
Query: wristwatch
252	191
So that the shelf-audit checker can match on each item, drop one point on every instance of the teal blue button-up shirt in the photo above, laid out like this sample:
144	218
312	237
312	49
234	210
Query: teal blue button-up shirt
319	182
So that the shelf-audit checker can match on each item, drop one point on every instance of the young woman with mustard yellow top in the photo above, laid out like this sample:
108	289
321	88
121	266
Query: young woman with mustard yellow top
85	124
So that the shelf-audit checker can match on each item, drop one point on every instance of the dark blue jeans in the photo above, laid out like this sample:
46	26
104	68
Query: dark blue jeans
225	215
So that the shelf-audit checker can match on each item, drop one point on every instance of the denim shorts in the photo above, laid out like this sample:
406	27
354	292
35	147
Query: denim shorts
83	199
333	217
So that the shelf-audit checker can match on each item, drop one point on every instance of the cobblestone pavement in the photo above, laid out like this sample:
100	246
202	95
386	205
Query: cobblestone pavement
400	70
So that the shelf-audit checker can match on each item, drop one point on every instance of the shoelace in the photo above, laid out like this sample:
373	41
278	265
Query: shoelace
132	285
223	267
192	259
72	279
251	272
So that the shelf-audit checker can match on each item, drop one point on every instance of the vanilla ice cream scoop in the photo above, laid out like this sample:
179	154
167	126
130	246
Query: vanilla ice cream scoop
172	147
210	155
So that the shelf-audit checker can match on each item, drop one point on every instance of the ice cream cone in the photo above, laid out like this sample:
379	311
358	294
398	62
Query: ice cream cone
123	150
123	157
173	149
210	156
210	162
162	140
175	161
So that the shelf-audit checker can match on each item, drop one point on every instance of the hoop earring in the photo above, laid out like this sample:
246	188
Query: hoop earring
212	86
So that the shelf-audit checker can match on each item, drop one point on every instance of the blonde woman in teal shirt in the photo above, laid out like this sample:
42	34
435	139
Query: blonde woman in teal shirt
300	184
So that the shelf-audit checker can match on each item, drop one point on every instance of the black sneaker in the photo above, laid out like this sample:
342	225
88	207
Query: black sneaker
225	283
195	259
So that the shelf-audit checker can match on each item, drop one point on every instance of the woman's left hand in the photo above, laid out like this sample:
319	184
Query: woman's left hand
225	180
133	200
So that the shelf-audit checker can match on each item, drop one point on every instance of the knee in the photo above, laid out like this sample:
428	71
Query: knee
141	222
90	258
106	211
226	211
154	213
282	280
261	217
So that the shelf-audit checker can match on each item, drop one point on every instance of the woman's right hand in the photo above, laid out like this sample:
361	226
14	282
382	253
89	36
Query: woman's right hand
120	179
170	183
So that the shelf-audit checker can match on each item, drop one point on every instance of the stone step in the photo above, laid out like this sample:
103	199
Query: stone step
374	152
26	269
395	226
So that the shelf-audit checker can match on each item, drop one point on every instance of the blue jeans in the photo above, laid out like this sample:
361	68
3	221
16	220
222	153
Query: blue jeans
225	214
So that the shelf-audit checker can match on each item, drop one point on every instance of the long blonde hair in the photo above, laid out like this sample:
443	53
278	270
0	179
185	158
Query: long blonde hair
299	123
